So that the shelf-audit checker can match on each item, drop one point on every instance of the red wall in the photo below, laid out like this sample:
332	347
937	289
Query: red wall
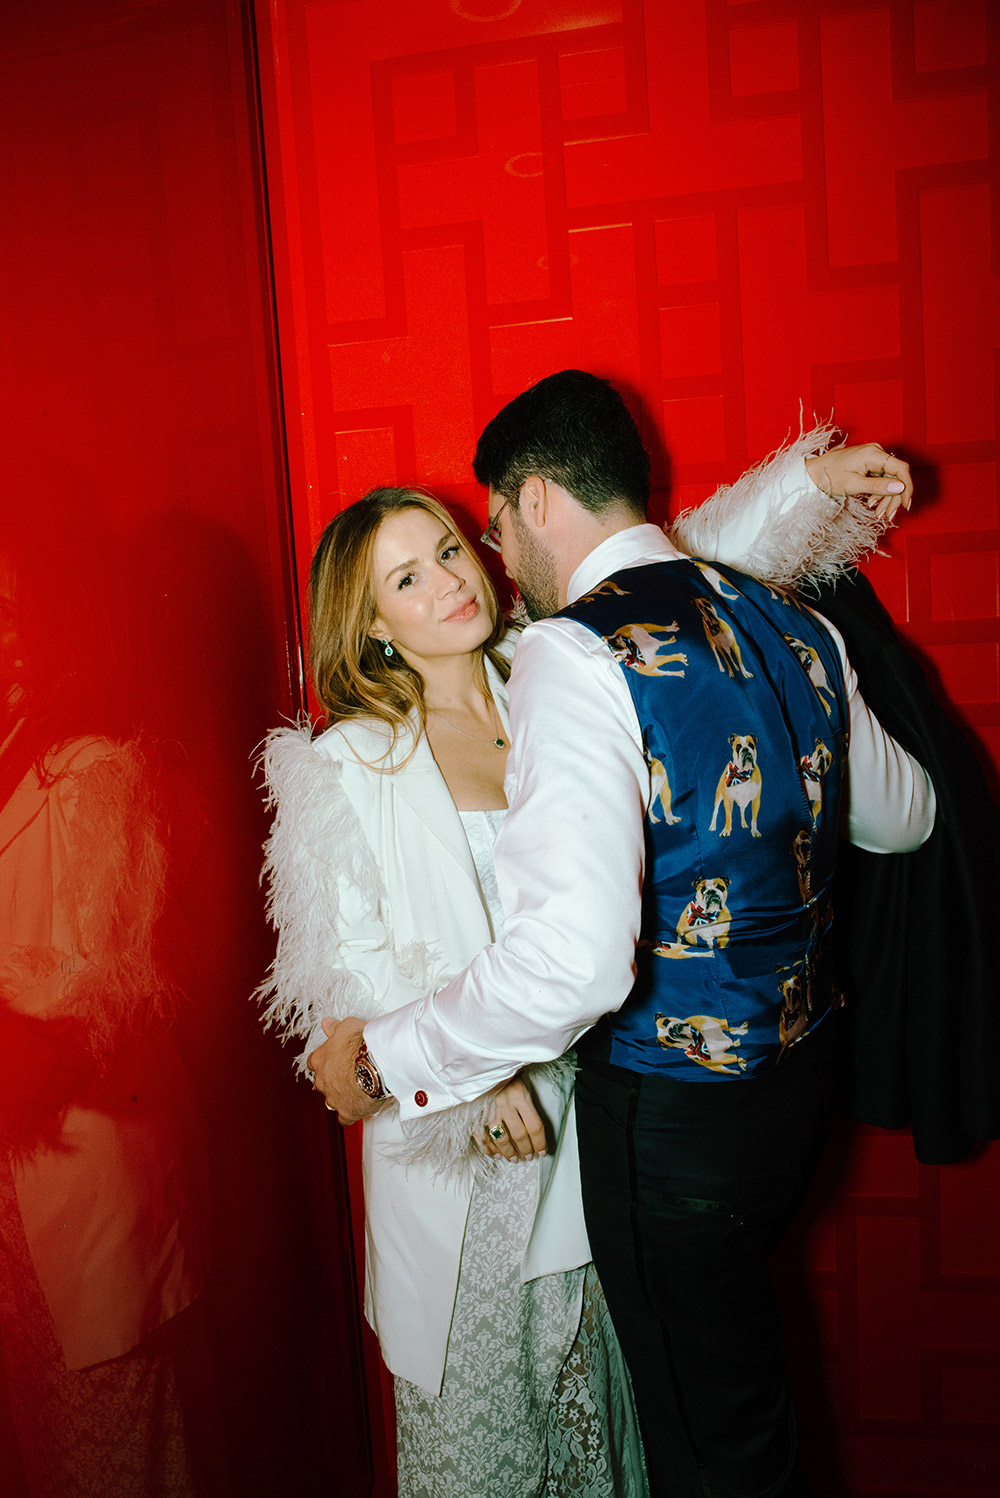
142	428
727	209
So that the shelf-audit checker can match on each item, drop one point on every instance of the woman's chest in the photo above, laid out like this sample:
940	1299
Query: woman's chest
473	771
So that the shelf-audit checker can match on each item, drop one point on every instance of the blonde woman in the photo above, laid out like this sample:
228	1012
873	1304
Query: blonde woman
478	1282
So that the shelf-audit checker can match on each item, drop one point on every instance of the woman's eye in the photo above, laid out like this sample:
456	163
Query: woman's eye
449	552
405	581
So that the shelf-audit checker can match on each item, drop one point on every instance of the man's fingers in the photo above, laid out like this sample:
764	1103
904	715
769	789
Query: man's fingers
332	1067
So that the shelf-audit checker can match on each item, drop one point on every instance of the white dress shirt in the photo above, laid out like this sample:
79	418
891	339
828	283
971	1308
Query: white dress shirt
570	857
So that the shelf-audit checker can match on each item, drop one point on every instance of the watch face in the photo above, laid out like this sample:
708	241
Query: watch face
366	1075
366	1079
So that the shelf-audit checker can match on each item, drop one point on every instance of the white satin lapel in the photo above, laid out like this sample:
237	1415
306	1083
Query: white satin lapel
421	785
423	788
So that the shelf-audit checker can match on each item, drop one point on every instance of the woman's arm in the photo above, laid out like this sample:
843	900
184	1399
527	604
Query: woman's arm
327	900
809	511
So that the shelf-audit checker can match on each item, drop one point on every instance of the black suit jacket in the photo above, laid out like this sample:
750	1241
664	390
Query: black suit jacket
919	931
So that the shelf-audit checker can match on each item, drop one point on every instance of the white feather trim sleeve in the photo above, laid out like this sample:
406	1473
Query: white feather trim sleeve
326	899
775	524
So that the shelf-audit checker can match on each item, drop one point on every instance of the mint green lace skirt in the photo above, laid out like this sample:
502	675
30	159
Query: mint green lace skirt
536	1401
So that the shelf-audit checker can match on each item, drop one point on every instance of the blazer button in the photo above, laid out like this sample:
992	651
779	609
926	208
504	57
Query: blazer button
420	1098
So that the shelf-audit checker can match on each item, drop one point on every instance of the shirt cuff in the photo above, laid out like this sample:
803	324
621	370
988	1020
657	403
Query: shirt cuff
394	1047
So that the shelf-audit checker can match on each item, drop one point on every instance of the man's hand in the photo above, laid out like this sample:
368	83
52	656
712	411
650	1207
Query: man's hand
867	472
520	1126
332	1066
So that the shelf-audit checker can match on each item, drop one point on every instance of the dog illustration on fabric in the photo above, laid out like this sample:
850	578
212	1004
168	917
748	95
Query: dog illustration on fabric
707	1040
675	949
659	793
706	918
609	588
794	1014
811	664
715	580
722	640
802	851
728	590
813	768
739	785
639	647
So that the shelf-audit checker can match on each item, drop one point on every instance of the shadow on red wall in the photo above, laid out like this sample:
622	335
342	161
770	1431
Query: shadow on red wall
148	642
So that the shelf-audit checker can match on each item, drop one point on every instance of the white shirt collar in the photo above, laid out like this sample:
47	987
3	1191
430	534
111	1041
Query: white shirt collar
627	548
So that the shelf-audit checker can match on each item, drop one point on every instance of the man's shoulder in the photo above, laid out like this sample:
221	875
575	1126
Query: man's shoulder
619	592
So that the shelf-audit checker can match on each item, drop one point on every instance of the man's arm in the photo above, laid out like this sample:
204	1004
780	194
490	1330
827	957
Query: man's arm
571	871
569	864
889	802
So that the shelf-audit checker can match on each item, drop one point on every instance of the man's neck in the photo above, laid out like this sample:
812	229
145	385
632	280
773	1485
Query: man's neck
591	537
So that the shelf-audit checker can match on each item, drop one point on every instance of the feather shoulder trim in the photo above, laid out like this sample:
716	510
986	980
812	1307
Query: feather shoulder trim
316	842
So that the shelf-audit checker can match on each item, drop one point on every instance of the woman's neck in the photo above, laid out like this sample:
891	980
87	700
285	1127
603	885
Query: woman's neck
452	683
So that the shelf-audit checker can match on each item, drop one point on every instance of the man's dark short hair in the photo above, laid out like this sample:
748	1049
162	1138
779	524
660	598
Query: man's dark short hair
572	429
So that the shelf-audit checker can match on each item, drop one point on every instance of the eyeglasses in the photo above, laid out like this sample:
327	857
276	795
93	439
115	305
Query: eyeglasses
491	535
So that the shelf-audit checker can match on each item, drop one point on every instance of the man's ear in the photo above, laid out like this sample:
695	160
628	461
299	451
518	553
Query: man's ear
533	502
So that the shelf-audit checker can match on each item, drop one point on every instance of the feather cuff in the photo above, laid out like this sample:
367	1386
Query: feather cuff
808	541
448	1141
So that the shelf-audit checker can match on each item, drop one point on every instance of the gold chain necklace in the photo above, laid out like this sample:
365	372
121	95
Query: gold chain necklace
498	743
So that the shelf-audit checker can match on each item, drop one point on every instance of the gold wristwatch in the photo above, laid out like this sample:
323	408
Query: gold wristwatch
366	1074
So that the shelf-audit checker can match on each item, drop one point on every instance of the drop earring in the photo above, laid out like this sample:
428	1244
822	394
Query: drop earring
387	649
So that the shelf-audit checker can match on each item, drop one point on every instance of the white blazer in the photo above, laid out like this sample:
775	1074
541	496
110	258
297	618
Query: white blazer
376	899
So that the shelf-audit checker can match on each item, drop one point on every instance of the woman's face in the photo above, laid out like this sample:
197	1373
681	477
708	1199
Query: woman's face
430	598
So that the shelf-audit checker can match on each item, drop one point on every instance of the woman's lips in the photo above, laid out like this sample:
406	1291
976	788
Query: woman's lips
464	614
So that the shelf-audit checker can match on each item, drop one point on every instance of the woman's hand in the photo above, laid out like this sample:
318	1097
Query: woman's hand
516	1129
868	472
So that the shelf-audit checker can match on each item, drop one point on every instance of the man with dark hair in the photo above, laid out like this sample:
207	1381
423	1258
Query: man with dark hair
680	737
574	430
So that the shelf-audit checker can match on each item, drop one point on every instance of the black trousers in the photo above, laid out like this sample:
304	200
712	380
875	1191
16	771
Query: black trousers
687	1188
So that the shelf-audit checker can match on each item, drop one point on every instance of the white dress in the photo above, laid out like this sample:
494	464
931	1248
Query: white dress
536	1401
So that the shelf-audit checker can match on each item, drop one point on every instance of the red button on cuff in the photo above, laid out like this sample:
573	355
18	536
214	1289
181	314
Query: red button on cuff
420	1098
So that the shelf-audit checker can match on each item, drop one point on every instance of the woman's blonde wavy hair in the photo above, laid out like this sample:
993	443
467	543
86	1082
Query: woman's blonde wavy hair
352	675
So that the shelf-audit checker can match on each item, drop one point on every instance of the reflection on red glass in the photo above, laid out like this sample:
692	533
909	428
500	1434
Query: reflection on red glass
102	1246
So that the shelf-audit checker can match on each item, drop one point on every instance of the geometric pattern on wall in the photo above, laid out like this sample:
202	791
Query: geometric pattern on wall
728	209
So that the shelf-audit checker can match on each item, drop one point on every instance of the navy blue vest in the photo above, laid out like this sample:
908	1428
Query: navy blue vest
740	697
